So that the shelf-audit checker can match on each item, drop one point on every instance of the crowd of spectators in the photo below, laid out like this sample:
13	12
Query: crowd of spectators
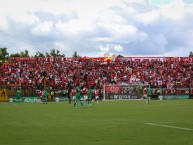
62	73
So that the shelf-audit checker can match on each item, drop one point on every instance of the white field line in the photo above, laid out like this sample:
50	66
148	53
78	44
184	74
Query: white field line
154	124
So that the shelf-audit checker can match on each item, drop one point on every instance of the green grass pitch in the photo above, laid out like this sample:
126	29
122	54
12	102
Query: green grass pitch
106	123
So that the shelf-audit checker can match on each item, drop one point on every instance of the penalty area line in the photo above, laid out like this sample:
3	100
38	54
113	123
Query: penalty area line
176	127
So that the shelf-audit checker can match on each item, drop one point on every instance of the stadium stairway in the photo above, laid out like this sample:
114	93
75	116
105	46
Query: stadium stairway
2	98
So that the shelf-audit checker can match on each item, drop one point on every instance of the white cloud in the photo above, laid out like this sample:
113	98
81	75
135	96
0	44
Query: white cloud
43	28
94	27
108	47
174	10
178	51
3	23
74	26
118	48
104	48
149	17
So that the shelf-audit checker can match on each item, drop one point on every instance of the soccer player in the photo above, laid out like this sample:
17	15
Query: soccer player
141	92
85	90
64	92
18	94
82	97
51	89
96	93
148	94
52	95
41	96
45	96
78	96
69	96
144	93
73	94
89	93
159	92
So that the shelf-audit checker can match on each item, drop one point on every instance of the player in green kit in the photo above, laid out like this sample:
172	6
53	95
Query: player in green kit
148	94
82	97
45	96
89	96
78	97
18	94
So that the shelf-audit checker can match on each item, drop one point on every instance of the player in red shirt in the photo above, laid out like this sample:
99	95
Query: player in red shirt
85	90
96	93
40	94
73	94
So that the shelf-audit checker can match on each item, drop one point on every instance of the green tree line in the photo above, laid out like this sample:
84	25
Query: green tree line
4	55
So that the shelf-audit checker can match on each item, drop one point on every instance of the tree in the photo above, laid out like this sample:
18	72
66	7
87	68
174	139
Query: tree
39	54
53	52
191	54
15	55
3	54
24	53
120	56
47	54
75	55
56	53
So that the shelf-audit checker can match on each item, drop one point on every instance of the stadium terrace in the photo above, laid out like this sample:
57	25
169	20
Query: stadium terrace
169	73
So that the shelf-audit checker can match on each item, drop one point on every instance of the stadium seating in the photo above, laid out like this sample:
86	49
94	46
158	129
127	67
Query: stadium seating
67	72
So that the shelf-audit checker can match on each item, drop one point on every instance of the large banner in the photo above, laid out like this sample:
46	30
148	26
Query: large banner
25	99
125	92
175	97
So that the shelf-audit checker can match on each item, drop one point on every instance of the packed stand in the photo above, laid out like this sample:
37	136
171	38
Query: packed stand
68	72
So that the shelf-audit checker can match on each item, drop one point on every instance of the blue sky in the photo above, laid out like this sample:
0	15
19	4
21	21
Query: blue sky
95	27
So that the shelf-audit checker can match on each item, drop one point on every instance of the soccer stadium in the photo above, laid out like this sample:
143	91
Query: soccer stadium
72	72
106	119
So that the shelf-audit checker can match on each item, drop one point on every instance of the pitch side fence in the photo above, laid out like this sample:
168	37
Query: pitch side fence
27	90
109	92
134	92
